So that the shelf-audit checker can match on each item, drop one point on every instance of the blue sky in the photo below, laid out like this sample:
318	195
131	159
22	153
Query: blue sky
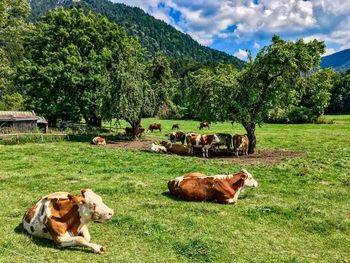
234	26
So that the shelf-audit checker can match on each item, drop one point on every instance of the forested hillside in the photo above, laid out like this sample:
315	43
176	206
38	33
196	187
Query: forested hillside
338	61
155	35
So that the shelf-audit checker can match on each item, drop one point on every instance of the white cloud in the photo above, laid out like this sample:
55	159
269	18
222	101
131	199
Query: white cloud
329	51
256	45
206	20
241	54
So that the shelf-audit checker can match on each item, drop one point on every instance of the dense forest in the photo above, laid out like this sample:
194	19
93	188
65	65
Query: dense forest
153	34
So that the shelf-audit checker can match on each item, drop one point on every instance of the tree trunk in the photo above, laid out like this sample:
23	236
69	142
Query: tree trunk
95	121
250	128
135	127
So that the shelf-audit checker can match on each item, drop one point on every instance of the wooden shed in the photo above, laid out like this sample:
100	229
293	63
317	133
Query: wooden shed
23	121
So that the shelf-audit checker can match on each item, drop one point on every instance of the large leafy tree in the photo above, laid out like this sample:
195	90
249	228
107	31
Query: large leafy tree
138	89
211	91
271	80
71	56
12	28
340	100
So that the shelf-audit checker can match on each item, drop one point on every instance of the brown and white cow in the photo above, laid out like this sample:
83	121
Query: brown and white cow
177	137
155	126
98	141
176	148
224	139
63	218
223	189
240	142
204	124
203	141
158	148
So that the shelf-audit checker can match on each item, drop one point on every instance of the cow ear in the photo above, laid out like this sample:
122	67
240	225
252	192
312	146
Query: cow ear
76	199
82	192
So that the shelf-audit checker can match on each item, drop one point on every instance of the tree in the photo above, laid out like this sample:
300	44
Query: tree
70	59
137	89
12	28
309	102
340	100
272	78
211	92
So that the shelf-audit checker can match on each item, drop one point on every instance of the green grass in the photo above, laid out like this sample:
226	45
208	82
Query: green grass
338	118
299	213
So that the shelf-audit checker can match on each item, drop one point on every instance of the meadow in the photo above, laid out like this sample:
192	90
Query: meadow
300	211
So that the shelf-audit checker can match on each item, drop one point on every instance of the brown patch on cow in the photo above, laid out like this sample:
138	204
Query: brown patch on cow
30	213
45	230
32	228
64	217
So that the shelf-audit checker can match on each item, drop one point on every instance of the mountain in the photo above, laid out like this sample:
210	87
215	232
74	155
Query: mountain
338	61
155	35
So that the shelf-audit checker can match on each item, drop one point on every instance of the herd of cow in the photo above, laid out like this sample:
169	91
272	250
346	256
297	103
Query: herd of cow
193	140
63	217
203	141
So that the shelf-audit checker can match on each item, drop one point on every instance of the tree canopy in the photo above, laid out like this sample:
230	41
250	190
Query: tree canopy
12	28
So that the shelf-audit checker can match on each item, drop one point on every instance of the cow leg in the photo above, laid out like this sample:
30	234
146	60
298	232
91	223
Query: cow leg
85	233
68	241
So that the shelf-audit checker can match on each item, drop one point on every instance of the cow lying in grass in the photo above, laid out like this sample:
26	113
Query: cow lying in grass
221	188
63	217
98	141
158	148
176	148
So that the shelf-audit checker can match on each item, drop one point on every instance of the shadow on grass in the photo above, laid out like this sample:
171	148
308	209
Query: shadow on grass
46	242
170	196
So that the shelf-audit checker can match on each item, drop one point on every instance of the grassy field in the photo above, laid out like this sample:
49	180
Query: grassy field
299	213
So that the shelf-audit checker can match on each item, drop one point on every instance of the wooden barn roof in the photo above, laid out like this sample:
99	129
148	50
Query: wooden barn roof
17	115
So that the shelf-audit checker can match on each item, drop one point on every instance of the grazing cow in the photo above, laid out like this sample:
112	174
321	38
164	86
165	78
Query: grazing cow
98	141
63	218
204	124
201	141
155	126
240	142
221	188
224	139
175	126
177	137
176	148
158	148
129	131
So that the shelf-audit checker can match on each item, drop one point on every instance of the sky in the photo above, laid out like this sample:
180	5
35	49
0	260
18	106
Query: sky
234	26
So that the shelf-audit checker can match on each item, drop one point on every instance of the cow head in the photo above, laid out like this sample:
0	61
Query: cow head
249	181
91	206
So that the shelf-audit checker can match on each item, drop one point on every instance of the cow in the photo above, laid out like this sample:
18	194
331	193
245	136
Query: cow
177	137
224	139
176	148
204	124
158	148
129	131
155	126
98	141
63	218
223	189
240	142
175	126
201	141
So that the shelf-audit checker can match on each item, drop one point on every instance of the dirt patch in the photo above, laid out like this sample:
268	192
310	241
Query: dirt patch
260	156
135	145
